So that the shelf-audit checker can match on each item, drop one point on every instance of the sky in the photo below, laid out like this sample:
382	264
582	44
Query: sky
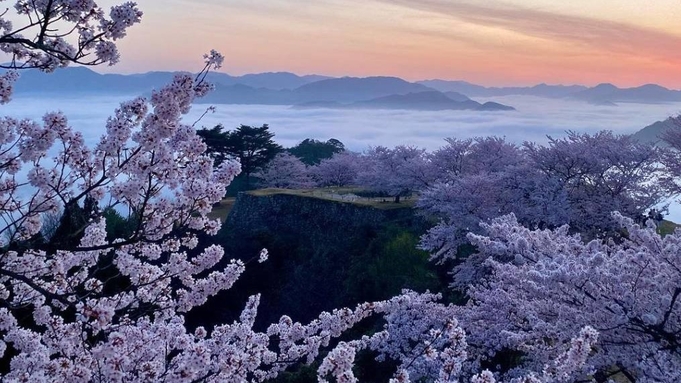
490	42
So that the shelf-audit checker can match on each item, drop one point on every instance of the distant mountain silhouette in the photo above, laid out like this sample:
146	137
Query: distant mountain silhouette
653	133
350	89
424	101
283	88
242	94
265	88
84	80
473	90
602	94
276	80
350	92
649	93
430	100
461	87
551	91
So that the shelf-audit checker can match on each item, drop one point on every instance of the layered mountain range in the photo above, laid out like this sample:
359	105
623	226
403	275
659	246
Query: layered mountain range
602	94
283	88
314	91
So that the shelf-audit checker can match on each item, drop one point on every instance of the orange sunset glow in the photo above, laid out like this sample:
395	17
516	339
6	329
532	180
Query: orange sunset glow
512	42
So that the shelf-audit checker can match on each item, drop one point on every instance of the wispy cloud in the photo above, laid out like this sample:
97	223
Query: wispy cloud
604	35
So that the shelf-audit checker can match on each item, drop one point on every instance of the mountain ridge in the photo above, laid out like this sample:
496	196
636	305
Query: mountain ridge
84	79
366	92
474	90
285	88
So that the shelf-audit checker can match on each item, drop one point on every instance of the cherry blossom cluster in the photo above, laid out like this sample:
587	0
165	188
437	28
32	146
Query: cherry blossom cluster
547	284
289	172
150	164
40	41
7	81
397	172
578	180
338	171
285	171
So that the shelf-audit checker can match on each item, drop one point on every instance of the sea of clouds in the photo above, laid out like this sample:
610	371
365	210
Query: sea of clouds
534	120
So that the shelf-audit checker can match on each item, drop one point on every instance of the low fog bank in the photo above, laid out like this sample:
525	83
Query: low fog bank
533	121
358	129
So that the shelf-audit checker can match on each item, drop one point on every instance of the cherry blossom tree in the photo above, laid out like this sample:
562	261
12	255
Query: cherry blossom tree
148	163
578	180
285	171
547	284
463	203
339	170
474	156
671	180
601	173
58	32
396	172
480	179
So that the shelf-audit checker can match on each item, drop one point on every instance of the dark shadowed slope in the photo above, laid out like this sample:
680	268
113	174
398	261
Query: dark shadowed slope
653	132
